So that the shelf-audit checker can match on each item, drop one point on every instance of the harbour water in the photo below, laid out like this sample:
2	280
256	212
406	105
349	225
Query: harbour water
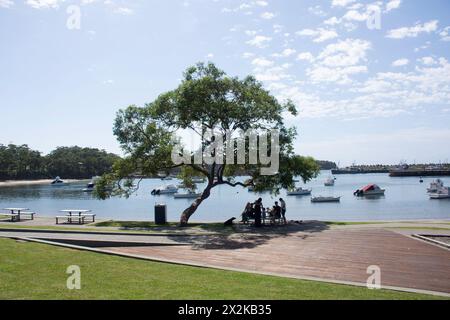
405	199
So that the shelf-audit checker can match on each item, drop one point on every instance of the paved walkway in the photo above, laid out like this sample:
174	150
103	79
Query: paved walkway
310	250
342	255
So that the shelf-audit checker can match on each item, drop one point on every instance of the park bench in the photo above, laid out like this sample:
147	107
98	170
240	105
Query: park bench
71	219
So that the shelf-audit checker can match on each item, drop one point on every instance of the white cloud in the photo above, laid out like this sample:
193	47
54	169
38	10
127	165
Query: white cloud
285	53
124	11
247	55
319	35
267	15
332	21
6	3
341	3
445	34
307	56
400	62
414	31
346	52
428	61
41	4
393	4
259	41
209	56
262	62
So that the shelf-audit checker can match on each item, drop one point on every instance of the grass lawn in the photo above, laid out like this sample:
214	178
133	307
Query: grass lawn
38	271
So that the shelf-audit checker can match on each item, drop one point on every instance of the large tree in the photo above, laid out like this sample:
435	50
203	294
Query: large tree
207	100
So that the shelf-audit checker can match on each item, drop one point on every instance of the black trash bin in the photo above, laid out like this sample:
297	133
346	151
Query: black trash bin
160	214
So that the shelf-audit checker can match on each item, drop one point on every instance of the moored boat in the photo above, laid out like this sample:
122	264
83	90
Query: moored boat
325	199
299	192
435	186
189	195
329	182
370	190
169	189
57	182
442	193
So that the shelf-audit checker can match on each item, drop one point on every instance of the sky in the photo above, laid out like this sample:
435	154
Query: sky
371	79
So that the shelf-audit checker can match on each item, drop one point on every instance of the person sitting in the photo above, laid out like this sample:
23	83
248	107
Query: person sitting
276	211
247	213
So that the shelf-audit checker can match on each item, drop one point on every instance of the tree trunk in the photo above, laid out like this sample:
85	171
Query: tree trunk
189	211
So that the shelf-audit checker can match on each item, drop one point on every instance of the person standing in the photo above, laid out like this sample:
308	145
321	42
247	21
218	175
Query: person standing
258	211
283	210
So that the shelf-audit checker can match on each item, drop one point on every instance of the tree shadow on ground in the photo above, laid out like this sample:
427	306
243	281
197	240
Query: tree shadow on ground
248	237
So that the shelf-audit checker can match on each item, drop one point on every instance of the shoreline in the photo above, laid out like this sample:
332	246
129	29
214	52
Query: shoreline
15	183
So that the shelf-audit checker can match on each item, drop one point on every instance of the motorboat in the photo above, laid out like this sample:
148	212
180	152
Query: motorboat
299	192
329	182
198	180
370	190
57	182
435	186
189	195
169	189
89	187
442	193
166	178
325	199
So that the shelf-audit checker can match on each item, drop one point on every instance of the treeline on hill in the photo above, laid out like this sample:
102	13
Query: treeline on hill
21	162
326	165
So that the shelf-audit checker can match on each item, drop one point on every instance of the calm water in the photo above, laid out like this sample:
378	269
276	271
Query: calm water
405	198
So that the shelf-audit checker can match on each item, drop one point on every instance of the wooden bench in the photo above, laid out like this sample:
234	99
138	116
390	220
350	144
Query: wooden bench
71	219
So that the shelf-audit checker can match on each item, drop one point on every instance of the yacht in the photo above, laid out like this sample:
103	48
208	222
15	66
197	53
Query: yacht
57	182
435	186
329	182
189	195
169	189
299	192
89	187
325	199
369	190
442	193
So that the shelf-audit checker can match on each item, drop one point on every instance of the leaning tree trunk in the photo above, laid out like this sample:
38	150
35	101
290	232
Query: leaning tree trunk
189	211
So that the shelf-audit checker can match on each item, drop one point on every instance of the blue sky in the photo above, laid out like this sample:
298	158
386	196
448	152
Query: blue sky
367	93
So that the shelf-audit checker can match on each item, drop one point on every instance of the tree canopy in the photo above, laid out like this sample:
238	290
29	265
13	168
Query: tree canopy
21	162
207	101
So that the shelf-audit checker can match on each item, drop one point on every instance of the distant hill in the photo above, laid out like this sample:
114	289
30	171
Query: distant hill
326	165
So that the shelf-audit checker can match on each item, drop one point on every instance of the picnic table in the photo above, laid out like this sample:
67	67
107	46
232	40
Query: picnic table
77	215
16	212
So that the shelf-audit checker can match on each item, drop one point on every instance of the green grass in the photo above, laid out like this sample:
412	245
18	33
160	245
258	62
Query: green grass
38	271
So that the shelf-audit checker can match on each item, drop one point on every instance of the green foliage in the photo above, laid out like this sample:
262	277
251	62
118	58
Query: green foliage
207	100
20	162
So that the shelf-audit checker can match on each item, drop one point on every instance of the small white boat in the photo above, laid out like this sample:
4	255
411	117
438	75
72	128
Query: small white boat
299	192
188	195
325	199
329	182
169	189
57	182
442	193
198	180
370	190
435	186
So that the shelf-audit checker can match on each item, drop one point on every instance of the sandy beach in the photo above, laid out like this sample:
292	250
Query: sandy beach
15	183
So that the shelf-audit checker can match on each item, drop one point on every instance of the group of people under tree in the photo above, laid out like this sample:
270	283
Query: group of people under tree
258	212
